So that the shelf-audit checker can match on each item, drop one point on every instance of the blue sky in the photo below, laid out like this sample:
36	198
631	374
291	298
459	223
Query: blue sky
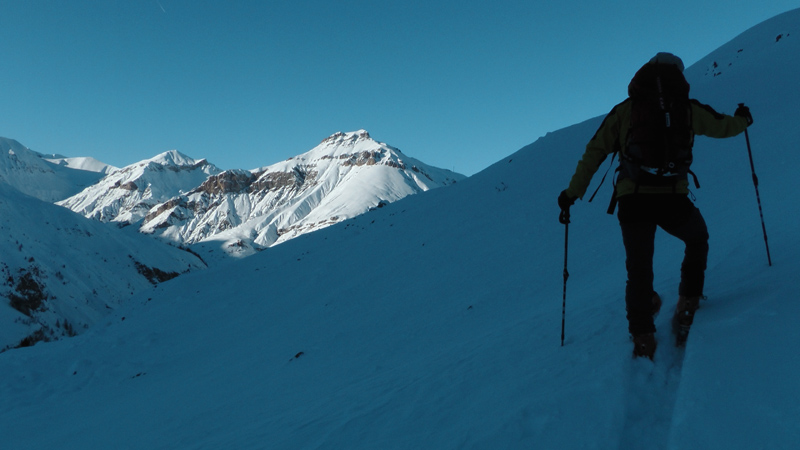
457	84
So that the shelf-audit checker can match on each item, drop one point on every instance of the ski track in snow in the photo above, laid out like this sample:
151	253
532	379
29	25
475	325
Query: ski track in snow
651	393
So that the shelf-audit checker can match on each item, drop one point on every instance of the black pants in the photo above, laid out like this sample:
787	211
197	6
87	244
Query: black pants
639	215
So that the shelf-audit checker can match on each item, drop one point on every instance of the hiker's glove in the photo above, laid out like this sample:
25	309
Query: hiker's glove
744	111
564	202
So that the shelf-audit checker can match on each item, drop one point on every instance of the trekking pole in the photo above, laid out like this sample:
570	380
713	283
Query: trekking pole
566	275
758	197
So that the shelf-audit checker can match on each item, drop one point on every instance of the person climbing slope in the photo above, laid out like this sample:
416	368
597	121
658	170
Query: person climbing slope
653	131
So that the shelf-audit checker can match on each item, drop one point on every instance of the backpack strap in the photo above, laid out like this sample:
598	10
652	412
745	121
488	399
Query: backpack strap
613	204
694	177
614	155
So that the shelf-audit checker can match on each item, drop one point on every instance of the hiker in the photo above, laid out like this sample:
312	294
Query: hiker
653	131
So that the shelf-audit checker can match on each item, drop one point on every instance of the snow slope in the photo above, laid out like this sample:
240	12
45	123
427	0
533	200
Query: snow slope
344	176
434	322
238	212
60	272
29	173
81	163
126	195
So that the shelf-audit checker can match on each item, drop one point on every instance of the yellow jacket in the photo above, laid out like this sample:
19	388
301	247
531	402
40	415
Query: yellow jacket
612	136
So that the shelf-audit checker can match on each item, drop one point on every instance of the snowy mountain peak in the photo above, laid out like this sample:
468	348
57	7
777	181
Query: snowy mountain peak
127	194
351	148
188	201
352	136
14	155
173	158
346	175
11	146
26	171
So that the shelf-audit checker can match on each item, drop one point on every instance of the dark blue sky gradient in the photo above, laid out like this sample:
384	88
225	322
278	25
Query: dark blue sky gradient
457	84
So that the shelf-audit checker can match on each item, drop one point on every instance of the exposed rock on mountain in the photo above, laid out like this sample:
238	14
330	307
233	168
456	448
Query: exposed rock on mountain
126	195
344	176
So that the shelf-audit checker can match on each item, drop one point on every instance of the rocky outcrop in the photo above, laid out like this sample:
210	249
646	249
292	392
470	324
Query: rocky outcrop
228	182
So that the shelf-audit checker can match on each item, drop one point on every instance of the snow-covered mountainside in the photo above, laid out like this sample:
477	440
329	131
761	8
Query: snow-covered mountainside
346	175
127	194
29	173
60	272
434	322
188	202
81	163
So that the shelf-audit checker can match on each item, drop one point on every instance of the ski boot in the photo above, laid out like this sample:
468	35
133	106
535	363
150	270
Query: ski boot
656	304
644	345
683	318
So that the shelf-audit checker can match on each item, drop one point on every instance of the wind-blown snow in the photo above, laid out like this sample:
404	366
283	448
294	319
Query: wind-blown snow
434	322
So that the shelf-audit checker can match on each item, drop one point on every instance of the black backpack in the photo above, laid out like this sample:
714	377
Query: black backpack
660	137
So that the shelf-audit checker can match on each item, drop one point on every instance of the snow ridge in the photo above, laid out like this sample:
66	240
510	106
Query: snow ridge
80	163
344	176
125	195
27	172
61	273
189	201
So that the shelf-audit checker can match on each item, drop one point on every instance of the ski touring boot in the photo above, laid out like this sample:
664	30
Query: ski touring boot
645	344
683	318
656	304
